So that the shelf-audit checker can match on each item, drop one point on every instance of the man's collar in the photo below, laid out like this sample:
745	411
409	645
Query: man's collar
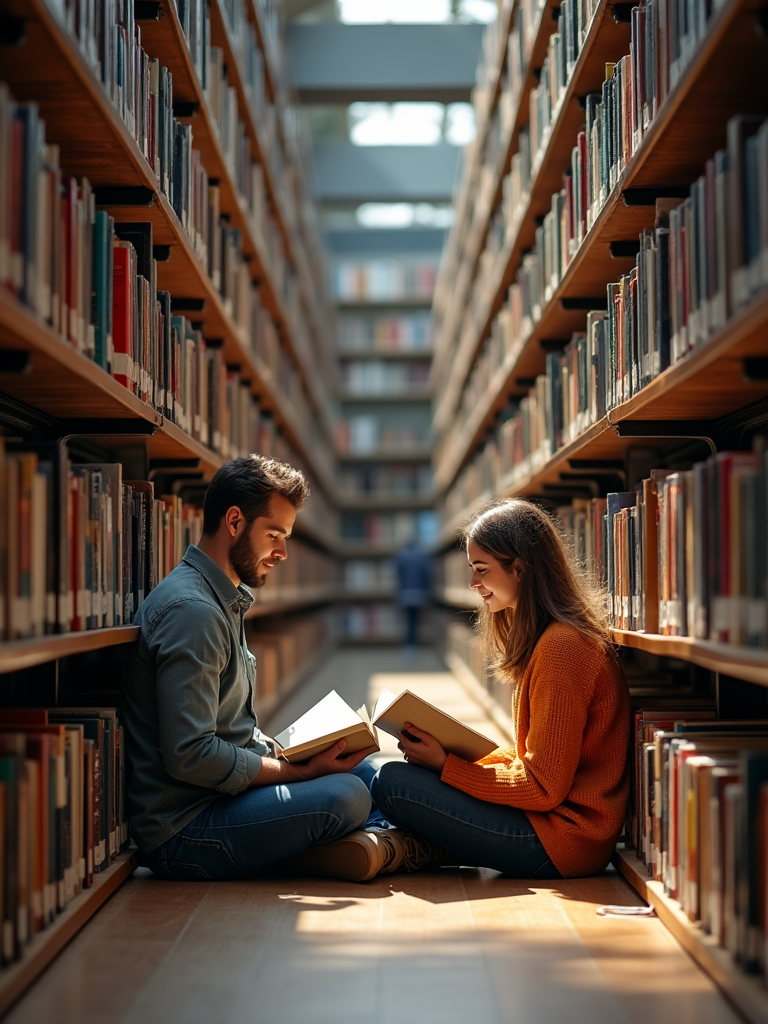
225	589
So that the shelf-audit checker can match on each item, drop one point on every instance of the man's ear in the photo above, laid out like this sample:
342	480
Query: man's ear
233	520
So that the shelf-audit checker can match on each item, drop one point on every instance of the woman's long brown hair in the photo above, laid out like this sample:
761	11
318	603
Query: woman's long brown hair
552	588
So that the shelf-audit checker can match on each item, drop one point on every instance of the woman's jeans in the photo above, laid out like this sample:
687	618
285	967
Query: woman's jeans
239	836
476	832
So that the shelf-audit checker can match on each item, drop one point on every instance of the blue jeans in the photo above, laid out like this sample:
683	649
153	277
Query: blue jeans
478	833
240	836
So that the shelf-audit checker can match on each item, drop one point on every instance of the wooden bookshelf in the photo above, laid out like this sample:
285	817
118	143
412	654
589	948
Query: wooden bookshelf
77	110
604	40
485	106
689	127
749	663
745	992
61	381
46	945
16	655
706	384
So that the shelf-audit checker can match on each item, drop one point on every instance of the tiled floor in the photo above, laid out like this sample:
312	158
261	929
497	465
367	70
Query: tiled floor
447	947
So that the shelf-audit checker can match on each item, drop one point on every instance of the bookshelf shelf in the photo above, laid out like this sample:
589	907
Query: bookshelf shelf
746	992
384	305
62	380
291	599
708	383
384	501
604	40
749	663
388	455
384	354
484	113
368	548
16	655
78	111
46	945
414	395
687	130
352	596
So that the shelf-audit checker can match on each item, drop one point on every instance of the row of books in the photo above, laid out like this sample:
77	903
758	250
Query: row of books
616	120
142	92
368	435
80	547
699	818
383	280
366	574
573	20
407	480
683	554
284	651
371	376
62	812
408	332
95	282
388	527
703	260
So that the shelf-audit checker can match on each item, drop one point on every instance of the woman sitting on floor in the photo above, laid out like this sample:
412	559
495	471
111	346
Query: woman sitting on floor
553	805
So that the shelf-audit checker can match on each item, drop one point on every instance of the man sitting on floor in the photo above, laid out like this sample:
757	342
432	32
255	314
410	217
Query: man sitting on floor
208	797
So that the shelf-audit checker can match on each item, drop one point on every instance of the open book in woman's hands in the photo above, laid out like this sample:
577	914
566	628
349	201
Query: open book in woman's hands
332	719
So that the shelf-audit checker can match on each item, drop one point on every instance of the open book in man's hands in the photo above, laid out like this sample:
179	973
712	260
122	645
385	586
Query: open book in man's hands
329	721
392	711
332	719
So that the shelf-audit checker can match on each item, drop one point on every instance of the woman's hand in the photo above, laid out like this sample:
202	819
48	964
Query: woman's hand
421	749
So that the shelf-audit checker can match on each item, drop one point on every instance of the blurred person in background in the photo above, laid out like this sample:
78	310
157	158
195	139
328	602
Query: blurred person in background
413	574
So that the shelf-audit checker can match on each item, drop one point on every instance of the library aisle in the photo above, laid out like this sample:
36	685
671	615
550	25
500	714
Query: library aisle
443	946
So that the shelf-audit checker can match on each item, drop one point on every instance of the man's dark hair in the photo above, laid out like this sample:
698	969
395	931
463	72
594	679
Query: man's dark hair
249	483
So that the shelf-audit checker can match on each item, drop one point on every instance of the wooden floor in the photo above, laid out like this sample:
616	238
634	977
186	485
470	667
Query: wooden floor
447	947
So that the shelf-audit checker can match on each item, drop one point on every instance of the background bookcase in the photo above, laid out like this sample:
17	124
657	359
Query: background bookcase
49	390
481	373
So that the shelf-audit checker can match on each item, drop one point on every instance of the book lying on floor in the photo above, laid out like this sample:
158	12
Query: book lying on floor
392	711
332	719
329	721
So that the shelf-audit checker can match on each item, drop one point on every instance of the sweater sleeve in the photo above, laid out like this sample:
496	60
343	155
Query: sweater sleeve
540	779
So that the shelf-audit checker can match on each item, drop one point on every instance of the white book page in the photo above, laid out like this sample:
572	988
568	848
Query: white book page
329	715
385	699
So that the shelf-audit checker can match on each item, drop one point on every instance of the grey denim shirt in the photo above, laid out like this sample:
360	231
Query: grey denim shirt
188	685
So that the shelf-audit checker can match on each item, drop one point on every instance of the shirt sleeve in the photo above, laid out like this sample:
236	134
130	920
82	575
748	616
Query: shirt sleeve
190	644
541	779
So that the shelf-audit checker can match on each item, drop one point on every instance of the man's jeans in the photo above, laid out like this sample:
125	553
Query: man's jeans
477	832
240	836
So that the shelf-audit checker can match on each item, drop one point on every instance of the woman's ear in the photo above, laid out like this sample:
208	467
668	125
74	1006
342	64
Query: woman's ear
517	569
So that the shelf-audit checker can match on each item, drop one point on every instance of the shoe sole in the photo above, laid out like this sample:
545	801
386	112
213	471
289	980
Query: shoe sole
352	862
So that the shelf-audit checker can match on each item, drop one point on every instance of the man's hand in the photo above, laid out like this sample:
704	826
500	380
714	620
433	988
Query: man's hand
333	762
330	762
421	749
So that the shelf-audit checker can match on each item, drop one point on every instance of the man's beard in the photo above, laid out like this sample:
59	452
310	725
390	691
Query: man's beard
245	564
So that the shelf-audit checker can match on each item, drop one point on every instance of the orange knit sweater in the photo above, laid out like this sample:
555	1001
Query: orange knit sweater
568	770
